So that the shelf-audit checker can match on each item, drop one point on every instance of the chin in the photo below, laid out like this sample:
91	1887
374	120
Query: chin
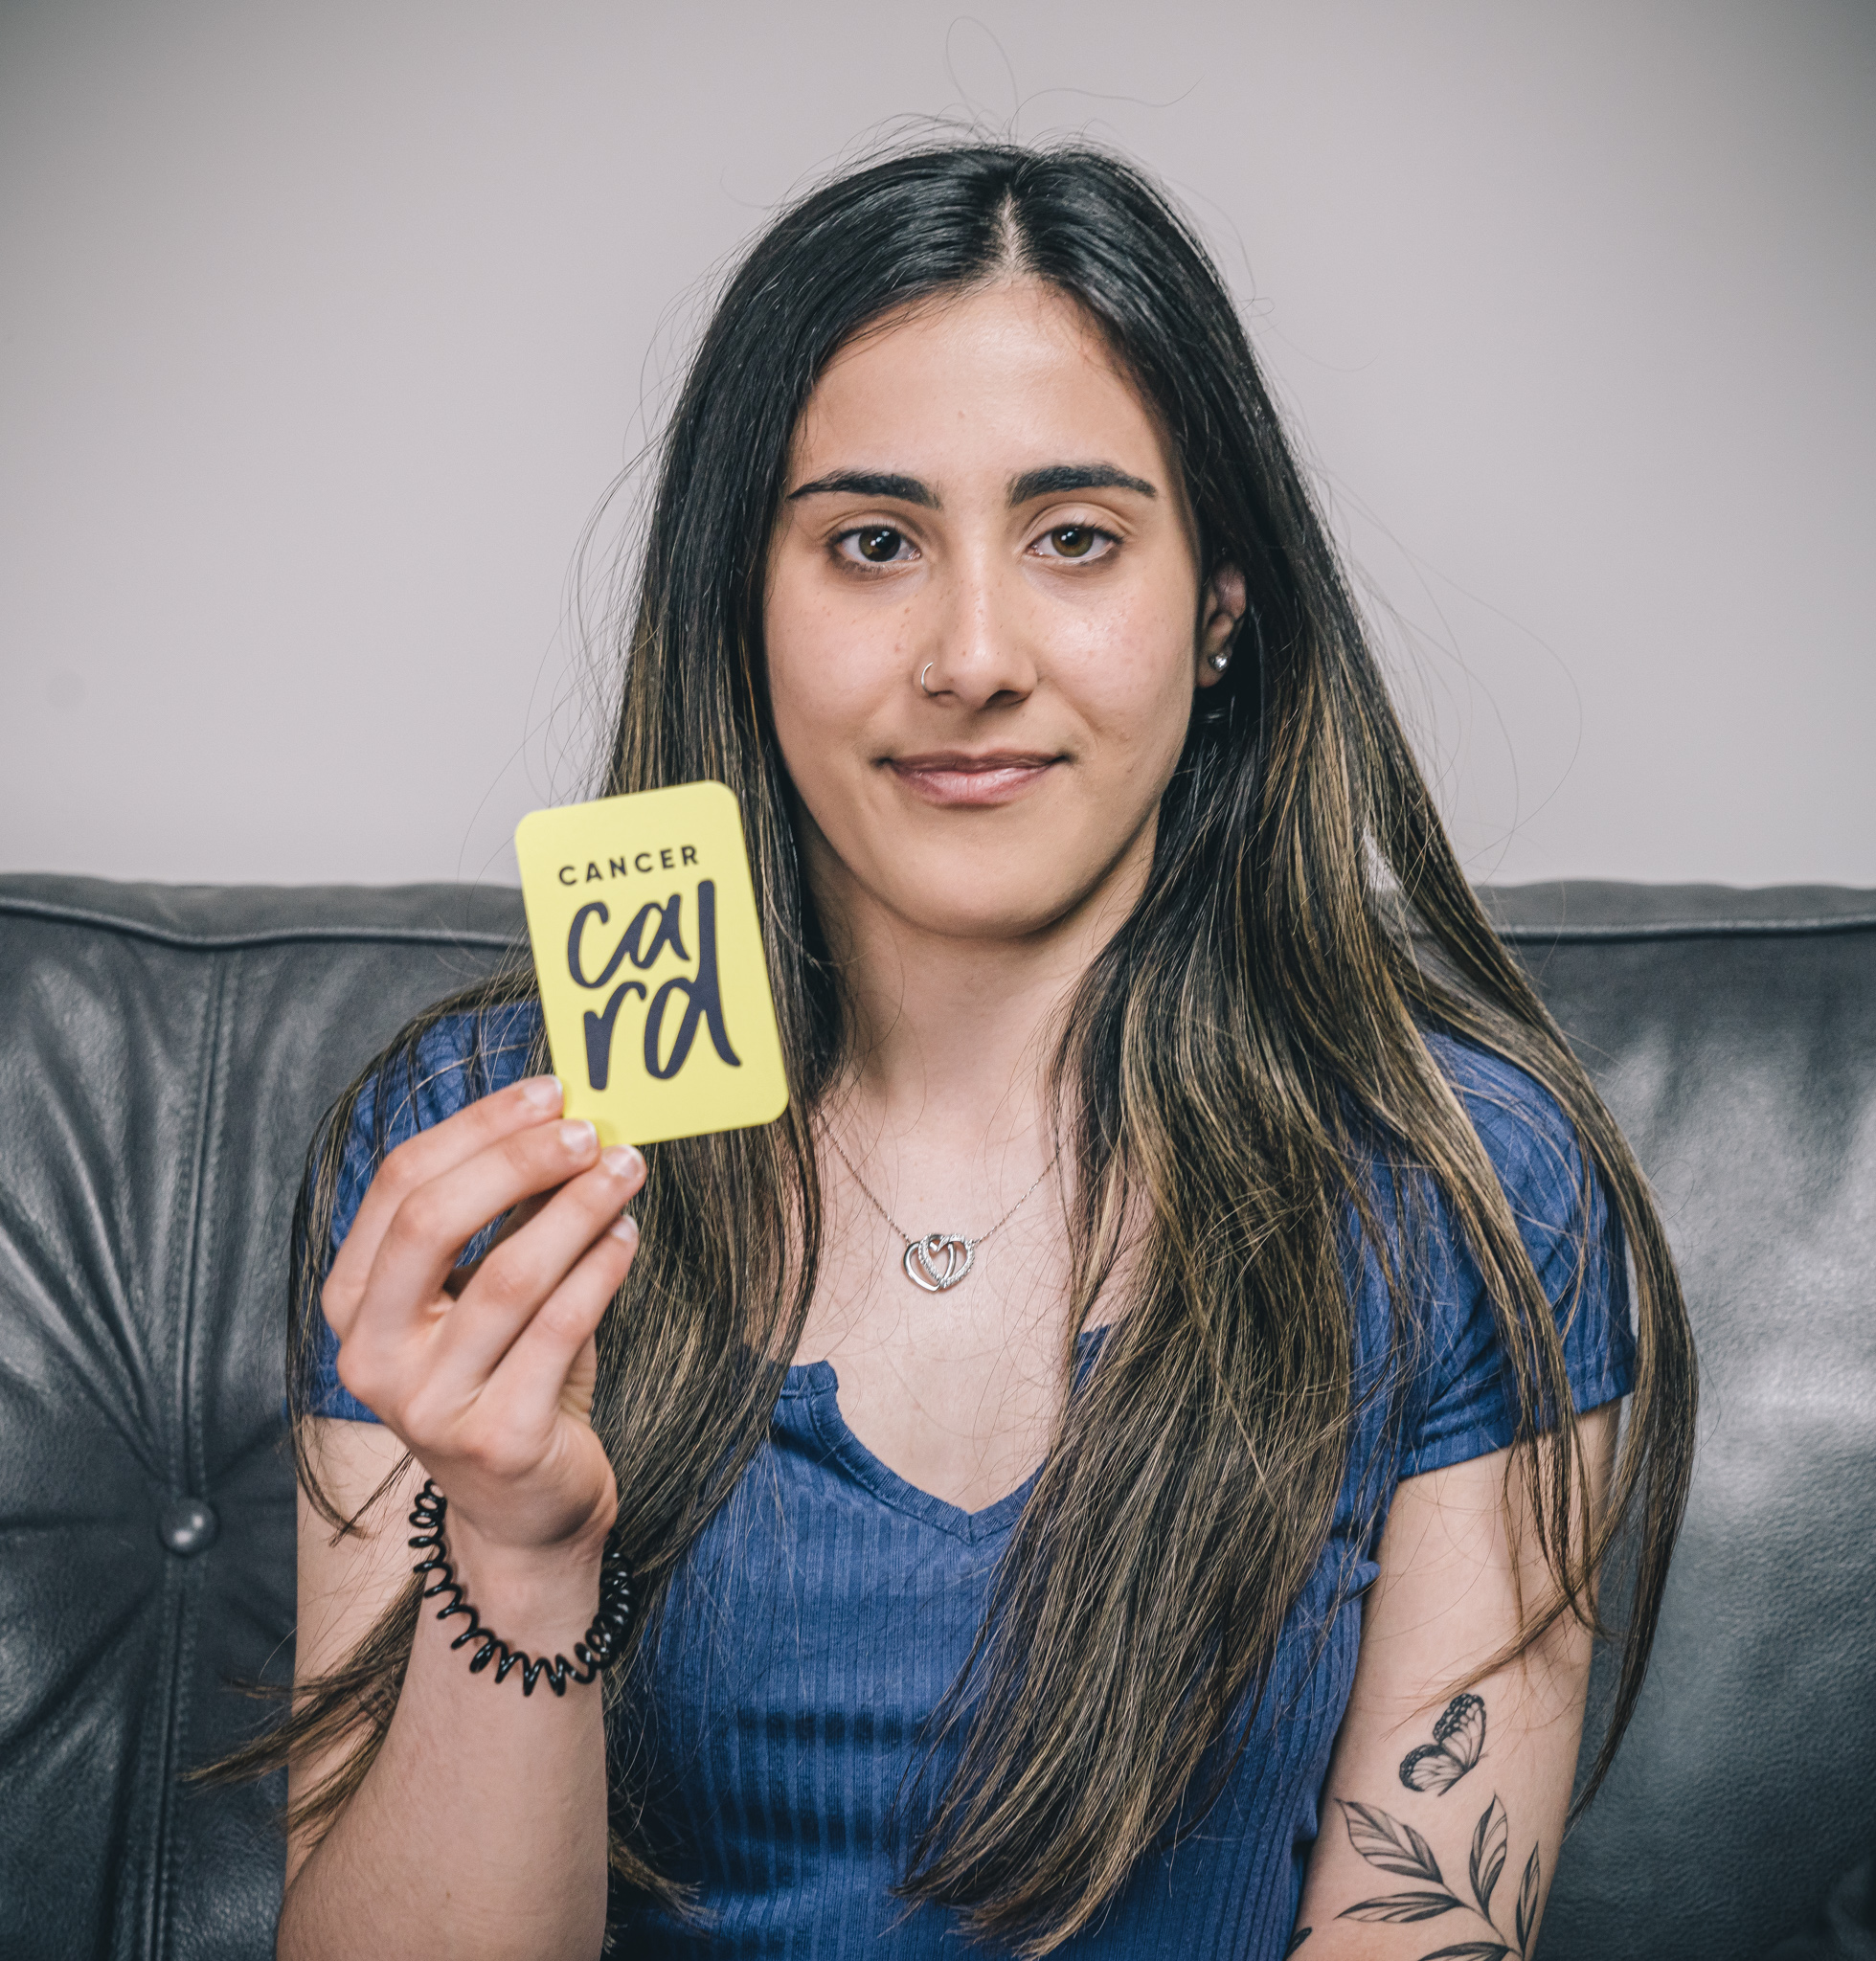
963	908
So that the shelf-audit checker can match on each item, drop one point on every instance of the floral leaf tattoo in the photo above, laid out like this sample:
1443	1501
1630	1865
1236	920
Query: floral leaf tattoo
1399	1908
1527	1901
1397	1847
1489	1844
1389	1844
1297	1939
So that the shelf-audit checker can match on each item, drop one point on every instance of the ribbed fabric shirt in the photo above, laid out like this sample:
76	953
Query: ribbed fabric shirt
822	1614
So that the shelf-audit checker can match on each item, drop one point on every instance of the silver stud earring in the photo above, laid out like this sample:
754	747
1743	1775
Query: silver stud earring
1218	662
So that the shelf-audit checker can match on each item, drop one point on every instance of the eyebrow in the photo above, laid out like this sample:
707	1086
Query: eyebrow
1058	477
1054	480
871	483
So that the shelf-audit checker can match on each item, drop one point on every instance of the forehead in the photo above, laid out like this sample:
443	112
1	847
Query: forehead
997	379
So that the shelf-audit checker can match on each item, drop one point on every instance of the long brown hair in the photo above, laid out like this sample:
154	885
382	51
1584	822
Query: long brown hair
1255	1024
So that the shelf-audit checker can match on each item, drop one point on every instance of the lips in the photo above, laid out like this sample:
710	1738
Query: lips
954	779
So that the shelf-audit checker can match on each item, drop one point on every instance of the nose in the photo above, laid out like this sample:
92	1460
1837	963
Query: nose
978	651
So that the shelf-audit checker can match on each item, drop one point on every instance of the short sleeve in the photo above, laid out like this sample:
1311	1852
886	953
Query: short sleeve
461	1058
1464	1403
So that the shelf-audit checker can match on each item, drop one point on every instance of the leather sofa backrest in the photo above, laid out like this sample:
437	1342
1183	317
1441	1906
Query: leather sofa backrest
164	1056
165	1053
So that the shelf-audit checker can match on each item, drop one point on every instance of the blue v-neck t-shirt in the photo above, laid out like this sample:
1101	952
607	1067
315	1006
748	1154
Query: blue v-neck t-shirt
825	1611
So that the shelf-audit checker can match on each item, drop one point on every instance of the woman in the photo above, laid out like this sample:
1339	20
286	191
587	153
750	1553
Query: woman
1113	935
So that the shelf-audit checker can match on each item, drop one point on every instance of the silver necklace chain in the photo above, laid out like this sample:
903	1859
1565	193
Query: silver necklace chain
936	1262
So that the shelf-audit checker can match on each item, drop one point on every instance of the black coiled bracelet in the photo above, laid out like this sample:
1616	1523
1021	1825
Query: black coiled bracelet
605	1639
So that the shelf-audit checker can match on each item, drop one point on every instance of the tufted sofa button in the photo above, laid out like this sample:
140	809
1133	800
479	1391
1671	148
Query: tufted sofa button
187	1525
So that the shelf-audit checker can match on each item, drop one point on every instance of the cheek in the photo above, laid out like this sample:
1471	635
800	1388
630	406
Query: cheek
827	675
1132	675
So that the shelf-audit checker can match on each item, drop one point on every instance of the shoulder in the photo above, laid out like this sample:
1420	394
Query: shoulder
453	1062
1557	1200
1512	1112
421	1079
1462	1403
1527	1135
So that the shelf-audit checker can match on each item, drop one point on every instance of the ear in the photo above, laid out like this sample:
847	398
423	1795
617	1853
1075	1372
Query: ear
1221	612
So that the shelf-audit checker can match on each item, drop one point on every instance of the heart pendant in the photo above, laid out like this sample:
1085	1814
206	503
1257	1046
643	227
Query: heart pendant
938	1262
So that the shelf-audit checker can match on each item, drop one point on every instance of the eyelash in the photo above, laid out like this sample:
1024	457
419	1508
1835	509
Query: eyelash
841	539
1105	538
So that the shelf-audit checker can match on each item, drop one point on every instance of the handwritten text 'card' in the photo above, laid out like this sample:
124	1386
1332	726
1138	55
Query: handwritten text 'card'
649	955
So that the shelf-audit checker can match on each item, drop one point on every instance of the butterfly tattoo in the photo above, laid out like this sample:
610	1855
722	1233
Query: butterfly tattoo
1459	1739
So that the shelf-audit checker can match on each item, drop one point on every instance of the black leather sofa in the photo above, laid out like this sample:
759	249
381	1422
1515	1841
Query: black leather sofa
165	1053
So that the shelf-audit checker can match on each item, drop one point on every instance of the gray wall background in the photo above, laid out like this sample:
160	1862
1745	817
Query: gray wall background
326	327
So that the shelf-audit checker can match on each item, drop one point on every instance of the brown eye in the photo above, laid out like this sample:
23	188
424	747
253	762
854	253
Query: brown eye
879	543
1073	541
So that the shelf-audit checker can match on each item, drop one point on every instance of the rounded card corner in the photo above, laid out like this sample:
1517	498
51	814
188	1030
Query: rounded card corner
719	790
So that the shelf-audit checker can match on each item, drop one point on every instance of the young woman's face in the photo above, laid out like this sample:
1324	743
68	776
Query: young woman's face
984	620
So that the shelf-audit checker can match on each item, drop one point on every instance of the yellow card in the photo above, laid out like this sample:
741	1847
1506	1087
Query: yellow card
650	953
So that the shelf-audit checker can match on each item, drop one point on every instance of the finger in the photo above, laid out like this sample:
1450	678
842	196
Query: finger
516	1280
402	1299
433	1222
415	1162
512	1221
528	1384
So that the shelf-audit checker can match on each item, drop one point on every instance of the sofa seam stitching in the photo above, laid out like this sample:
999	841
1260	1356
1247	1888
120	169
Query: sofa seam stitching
195	1464
153	1820
259	937
1811	925
186	1604
1820	925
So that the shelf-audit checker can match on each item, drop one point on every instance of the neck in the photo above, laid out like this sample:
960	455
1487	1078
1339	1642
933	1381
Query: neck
954	1032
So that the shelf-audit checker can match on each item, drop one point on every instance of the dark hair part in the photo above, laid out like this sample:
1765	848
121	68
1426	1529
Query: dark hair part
1253	1029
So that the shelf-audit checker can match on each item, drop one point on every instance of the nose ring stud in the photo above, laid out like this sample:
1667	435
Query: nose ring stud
923	671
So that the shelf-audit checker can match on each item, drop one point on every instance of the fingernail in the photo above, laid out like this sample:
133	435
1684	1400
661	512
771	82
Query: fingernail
622	1161
626	1229
544	1093
578	1137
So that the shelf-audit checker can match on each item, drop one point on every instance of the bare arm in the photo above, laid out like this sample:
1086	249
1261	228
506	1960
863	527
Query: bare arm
481	1828
1442	1813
